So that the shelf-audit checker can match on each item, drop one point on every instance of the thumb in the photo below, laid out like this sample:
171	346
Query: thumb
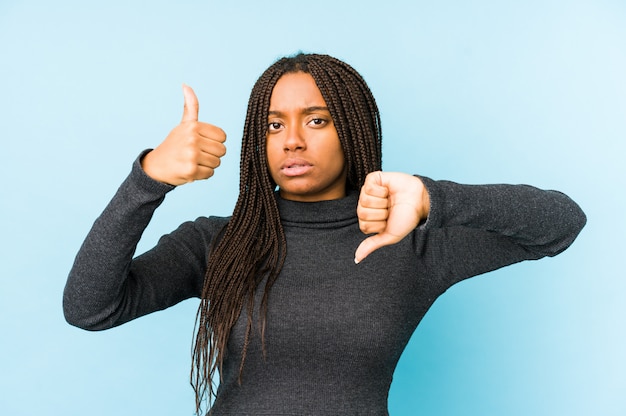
190	111
371	244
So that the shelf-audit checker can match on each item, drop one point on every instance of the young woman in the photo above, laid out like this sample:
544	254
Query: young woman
310	291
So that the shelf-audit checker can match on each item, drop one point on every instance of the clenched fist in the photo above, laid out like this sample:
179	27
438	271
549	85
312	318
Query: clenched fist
390	206
191	151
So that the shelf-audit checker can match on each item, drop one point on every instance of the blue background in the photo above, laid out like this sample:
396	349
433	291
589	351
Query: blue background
476	92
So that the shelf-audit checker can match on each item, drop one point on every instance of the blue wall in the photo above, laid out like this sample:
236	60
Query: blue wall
476	92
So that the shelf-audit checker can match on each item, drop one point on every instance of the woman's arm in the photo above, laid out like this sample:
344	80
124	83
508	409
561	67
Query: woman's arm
473	229
106	287
480	226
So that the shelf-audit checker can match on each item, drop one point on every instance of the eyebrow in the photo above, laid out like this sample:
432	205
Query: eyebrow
307	110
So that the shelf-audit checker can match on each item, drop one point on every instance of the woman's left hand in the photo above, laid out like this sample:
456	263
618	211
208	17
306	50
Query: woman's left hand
390	206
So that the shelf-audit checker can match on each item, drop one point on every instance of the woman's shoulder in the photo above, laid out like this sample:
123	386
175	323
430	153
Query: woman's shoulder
210	226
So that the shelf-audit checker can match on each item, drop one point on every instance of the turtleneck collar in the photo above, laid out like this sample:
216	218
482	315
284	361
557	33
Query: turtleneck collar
322	214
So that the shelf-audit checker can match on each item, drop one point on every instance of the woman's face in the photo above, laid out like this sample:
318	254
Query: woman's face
304	154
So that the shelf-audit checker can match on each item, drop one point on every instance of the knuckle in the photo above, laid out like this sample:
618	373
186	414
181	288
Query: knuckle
190	142
191	153
372	227
365	199
189	170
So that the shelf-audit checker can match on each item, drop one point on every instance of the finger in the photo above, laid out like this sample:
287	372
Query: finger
194	171
211	147
372	202
372	198
371	214
208	160
209	131
371	244
204	173
190	110
373	185
372	227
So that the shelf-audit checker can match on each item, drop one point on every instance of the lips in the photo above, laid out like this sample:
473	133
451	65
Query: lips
295	167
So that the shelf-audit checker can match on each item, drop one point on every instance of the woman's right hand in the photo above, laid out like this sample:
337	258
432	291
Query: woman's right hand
191	151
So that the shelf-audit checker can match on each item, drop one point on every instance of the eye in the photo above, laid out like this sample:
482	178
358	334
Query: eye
318	122
273	126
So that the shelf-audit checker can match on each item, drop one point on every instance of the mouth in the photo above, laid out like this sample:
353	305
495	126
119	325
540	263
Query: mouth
295	167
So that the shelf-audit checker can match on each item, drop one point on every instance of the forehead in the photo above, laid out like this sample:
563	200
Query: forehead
296	90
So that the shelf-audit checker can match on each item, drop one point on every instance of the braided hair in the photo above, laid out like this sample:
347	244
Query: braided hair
252	247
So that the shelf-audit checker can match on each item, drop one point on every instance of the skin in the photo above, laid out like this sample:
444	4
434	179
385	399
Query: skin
191	151
391	205
304	158
303	150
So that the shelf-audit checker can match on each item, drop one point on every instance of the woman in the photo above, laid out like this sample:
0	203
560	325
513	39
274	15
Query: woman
301	311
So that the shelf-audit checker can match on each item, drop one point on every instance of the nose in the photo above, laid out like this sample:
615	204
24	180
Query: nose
294	139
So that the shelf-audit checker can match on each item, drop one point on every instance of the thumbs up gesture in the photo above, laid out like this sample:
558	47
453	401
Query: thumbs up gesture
390	206
191	151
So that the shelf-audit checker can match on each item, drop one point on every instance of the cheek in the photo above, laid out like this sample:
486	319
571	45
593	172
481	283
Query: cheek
270	155
339	158
273	161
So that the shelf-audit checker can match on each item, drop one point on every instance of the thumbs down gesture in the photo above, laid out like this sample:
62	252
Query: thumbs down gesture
390	206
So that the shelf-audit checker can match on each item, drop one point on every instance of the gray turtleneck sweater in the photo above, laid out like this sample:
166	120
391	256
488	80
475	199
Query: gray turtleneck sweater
335	329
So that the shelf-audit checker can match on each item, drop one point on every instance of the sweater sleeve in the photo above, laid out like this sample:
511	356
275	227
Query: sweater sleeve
106	287
473	229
